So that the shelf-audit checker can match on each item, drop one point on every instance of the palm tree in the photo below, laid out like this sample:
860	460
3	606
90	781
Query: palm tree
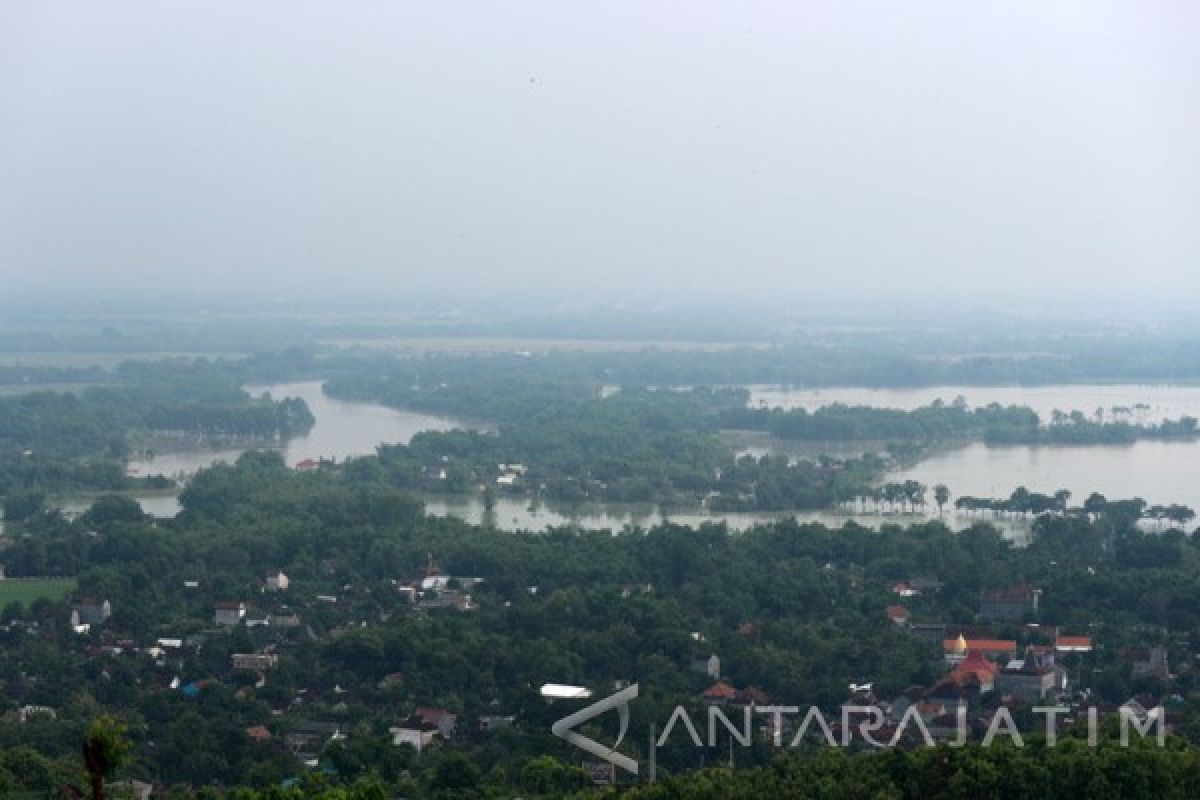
104	750
941	495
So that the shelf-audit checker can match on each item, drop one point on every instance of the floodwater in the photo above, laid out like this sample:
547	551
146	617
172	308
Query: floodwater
514	513
1149	403
343	429
1157	471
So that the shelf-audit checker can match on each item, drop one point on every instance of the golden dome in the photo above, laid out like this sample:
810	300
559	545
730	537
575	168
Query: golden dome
960	646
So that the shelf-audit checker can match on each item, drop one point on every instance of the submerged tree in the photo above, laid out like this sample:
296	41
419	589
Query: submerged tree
941	495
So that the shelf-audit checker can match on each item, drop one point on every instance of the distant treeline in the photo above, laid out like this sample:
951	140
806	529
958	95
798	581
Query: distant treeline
939	421
61	441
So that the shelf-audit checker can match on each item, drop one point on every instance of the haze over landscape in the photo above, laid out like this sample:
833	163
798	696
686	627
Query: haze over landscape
486	401
606	151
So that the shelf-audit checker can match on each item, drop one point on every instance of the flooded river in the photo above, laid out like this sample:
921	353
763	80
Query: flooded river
1159	472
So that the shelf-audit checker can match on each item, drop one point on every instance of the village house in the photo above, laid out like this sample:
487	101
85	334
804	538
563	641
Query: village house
510	474
309	738
956	650
973	676
256	619
25	713
1009	605
228	614
1031	678
440	718
416	734
94	612
448	599
258	733
926	585
1072	644
709	666
434	578
898	615
78	626
277	582
719	694
1147	662
285	618
494	722
255	662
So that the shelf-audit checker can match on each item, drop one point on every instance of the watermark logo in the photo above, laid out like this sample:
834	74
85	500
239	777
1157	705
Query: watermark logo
856	723
620	701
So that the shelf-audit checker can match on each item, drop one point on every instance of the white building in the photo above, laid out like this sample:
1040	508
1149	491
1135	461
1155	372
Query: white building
415	737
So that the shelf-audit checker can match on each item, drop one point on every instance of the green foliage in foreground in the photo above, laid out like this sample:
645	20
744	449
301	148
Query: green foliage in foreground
1070	771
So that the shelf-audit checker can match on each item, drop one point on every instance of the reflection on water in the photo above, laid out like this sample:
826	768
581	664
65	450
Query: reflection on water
343	429
156	504
1146	403
517	514
1156	471
760	443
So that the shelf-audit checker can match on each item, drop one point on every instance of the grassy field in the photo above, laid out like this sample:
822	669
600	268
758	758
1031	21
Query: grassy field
26	590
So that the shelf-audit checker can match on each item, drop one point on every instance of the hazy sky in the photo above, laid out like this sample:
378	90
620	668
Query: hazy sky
390	148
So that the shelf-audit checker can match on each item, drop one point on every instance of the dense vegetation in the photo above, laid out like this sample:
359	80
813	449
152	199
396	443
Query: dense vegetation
56	441
638	606
636	445
580	442
1070	771
941	422
550	414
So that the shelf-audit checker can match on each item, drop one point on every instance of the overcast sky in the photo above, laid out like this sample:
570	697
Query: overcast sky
599	148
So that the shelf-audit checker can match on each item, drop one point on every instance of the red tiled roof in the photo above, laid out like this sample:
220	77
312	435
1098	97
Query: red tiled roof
982	645
1073	642
433	715
258	733
720	690
897	612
